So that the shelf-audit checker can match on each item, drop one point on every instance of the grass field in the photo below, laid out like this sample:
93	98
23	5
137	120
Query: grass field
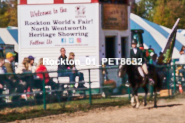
28	112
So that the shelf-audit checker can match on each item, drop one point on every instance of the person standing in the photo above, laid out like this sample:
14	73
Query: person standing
154	58
13	80
2	78
182	61
9	68
182	55
63	68
160	59
8	62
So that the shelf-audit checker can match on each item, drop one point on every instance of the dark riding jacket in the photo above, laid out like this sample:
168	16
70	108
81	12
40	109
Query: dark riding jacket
63	66
139	54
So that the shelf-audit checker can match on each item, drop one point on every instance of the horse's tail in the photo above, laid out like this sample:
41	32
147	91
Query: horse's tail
154	72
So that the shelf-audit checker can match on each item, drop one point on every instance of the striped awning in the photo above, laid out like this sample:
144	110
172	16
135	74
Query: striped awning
9	36
156	35
181	31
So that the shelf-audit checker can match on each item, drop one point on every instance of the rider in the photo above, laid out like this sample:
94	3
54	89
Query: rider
135	52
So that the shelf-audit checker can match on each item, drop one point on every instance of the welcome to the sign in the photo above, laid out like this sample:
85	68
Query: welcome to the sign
58	25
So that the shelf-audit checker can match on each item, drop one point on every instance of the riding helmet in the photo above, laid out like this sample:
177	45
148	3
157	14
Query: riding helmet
134	41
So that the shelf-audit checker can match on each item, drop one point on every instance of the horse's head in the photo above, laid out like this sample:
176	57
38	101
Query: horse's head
122	70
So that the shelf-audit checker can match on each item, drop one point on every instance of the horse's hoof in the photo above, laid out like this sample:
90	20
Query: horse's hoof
133	105
137	105
144	103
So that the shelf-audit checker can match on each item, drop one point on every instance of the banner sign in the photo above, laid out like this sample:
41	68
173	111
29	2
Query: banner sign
114	17
58	25
168	50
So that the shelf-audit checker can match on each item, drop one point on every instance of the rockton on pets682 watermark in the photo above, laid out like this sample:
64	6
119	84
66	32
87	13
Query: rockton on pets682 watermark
92	61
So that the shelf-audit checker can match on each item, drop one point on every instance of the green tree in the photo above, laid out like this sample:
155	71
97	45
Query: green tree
145	9
8	14
168	11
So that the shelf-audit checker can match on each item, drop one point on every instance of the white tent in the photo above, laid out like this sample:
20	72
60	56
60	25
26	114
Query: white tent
9	36
156	35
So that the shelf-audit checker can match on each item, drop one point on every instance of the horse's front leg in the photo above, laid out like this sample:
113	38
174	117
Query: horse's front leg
145	97
132	98
137	98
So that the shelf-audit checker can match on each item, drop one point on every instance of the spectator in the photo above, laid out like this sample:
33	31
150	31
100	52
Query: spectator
154	58
2	78
2	67
31	64
182	61
160	59
27	79
182	50
48	81
62	68
42	68
24	67
73	67
16	56
12	79
182	55
8	62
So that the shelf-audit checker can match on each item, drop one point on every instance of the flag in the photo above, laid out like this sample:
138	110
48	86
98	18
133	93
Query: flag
168	50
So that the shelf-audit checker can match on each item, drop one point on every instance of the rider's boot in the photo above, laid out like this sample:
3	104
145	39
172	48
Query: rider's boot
144	80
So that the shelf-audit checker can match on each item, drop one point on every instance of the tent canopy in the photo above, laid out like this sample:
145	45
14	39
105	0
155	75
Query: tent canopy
9	36
156	35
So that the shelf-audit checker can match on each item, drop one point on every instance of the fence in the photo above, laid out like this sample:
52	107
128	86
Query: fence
27	89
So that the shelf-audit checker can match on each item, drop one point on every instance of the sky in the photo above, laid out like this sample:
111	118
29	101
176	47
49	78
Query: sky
137	1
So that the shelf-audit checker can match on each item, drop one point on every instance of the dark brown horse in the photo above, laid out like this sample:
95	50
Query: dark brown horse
135	80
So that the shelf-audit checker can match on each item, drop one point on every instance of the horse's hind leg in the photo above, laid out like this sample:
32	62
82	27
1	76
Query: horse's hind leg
145	97
155	98
132	99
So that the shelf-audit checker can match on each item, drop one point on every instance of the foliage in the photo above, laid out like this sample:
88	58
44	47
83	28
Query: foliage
145	9
162	12
8	14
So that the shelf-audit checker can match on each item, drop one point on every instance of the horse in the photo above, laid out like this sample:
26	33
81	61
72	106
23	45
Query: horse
135	80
